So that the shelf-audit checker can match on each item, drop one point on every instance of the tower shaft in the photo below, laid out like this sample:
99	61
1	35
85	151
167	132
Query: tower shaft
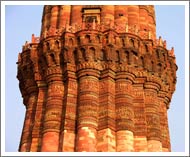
96	80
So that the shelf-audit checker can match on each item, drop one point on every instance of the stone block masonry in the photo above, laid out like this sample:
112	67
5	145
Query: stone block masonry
96	80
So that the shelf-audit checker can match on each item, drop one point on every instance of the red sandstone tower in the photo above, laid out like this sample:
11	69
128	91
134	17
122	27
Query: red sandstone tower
97	79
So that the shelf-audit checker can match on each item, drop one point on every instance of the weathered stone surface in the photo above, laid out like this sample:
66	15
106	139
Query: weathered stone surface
124	141
140	144
97	79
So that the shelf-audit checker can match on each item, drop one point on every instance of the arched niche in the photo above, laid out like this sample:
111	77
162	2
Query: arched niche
87	39
91	54
57	46
82	54
71	42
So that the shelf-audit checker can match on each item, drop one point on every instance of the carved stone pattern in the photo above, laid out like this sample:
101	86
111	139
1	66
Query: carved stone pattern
96	75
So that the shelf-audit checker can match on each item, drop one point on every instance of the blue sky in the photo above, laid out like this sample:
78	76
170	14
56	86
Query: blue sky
22	21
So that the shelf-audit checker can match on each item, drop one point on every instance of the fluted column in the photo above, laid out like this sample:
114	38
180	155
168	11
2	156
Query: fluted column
53	113
163	100
121	16
96	87
54	16
147	21
107	14
76	15
124	112
143	18
39	115
151	21
64	15
45	19
133	16
26	138
88	99
68	128
140	131
168	145
152	117
106	122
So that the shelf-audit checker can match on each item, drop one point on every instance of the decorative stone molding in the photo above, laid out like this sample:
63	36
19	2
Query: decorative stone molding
97	79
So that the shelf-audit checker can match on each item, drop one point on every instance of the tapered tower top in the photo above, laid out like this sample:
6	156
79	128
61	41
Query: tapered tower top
138	19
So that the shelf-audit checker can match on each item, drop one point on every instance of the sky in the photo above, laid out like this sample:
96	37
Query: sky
22	21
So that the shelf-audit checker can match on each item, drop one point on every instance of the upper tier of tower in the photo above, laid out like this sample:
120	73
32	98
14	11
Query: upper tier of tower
120	38
136	19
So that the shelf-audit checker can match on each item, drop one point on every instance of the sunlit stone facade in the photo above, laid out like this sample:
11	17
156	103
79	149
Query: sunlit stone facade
96	80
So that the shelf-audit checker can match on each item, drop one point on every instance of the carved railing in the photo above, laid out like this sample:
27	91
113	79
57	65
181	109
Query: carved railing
96	27
99	27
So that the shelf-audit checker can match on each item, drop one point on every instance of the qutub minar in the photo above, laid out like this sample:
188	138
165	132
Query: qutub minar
96	80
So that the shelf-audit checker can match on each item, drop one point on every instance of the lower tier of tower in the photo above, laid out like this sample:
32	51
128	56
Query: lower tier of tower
93	112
